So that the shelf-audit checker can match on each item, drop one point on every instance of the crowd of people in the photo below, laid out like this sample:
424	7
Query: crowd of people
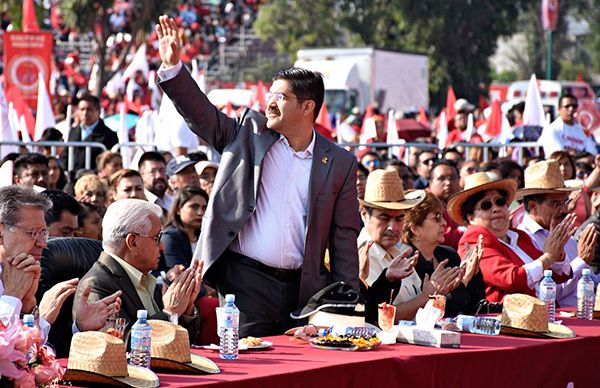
284	214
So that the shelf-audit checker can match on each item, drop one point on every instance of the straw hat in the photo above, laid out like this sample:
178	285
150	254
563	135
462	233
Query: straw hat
476	183
99	358
527	316
171	350
544	177
384	191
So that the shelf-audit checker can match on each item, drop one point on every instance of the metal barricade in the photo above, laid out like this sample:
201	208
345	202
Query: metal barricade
37	146
125	149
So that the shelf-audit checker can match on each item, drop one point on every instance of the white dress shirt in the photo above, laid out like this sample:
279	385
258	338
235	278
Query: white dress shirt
533	268
566	293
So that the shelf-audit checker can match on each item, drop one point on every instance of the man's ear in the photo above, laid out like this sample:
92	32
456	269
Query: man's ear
364	215
309	108
130	241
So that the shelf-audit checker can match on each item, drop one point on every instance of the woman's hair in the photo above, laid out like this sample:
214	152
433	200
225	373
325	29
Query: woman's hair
88	182
180	199
468	207
560	155
508	166
104	158
416	215
86	210
62	177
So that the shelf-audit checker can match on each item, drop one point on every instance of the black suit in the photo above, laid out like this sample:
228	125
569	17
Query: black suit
100	134
107	277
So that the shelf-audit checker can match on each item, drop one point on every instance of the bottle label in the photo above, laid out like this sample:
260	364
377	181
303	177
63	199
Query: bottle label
231	321
547	292
585	289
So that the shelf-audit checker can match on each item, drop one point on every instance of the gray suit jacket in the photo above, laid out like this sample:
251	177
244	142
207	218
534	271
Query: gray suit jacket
333	216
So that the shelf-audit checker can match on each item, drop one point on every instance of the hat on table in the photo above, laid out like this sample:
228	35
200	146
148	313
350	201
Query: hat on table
384	191
99	358
525	315
170	349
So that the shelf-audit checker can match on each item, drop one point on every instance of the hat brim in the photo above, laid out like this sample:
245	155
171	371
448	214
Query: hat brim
183	166
411	199
554	331
138	377
570	185
456	200
199	364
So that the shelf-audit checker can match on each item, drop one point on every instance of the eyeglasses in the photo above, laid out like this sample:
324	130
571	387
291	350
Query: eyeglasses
487	205
160	171
278	96
574	106
429	161
437	217
155	238
36	234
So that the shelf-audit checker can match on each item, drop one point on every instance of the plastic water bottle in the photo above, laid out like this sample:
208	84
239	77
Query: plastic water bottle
140	340
28	320
478	325
585	296
548	294
228	348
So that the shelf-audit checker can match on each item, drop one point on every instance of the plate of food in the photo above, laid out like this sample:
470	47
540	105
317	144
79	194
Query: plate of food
346	342
248	343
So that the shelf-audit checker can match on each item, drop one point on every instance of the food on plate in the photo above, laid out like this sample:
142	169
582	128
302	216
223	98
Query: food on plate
361	342
251	341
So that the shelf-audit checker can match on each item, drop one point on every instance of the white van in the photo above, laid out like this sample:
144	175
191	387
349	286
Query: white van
237	97
550	92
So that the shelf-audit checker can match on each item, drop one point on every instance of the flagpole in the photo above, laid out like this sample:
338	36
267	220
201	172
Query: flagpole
549	56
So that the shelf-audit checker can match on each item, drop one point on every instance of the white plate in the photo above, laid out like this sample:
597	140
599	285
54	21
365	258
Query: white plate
241	347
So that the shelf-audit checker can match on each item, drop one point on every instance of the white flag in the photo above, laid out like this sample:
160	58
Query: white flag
392	135
44	117
442	131
139	62
534	109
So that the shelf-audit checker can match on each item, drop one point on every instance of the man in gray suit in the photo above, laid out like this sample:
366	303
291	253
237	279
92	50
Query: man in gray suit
282	196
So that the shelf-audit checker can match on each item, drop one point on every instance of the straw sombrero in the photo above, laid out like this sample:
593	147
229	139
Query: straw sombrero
384	191
525	315
170	349
544	177
476	183
99	358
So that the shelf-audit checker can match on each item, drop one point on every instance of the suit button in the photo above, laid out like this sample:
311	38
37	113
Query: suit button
231	233
250	209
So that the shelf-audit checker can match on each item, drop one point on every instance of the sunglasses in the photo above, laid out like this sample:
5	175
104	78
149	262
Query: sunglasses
373	162
574	106
429	161
487	205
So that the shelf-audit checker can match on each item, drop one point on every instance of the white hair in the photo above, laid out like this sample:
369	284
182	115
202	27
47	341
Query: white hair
125	216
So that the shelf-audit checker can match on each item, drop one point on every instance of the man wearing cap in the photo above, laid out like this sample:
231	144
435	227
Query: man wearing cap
545	197
182	173
282	196
564	132
152	168
383	264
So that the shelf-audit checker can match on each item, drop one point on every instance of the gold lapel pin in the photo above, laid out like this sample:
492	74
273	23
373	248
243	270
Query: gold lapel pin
324	160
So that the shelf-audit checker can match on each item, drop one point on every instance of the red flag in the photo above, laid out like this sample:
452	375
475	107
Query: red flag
30	23
549	14
493	124
368	115
450	101
55	15
579	77
259	97
423	119
323	118
13	94
229	109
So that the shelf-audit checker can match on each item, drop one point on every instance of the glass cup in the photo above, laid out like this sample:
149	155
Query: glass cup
116	327
386	316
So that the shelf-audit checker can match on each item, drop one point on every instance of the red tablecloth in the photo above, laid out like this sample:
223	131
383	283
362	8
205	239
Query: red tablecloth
482	361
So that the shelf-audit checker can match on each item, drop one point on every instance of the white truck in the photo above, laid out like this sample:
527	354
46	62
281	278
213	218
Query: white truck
359	76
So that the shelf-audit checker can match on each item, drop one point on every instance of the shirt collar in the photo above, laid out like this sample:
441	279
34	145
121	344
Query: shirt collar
513	237
91	127
134	274
530	225
307	153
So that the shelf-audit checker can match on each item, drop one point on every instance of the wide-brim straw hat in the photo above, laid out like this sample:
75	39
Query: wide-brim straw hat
170	349
99	358
544	177
476	183
527	316
384	191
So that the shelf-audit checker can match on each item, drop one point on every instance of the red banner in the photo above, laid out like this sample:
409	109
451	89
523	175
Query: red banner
549	14
26	55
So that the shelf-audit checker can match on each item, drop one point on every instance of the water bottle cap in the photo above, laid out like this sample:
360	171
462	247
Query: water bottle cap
586	271
229	298
142	314
548	273
28	318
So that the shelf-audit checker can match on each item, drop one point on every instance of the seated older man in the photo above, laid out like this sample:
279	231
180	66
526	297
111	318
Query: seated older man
131	232
545	198
23	236
383	263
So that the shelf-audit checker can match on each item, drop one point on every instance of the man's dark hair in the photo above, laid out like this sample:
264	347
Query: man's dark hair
198	156
565	96
305	84
444	162
362	168
86	210
51	134
151	156
91	99
537	198
451	150
23	161
60	201
394	162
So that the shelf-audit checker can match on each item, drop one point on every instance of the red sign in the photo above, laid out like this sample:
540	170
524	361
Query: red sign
26	55
549	14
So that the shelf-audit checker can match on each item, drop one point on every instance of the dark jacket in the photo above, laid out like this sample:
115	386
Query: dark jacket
107	277
100	134
178	249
